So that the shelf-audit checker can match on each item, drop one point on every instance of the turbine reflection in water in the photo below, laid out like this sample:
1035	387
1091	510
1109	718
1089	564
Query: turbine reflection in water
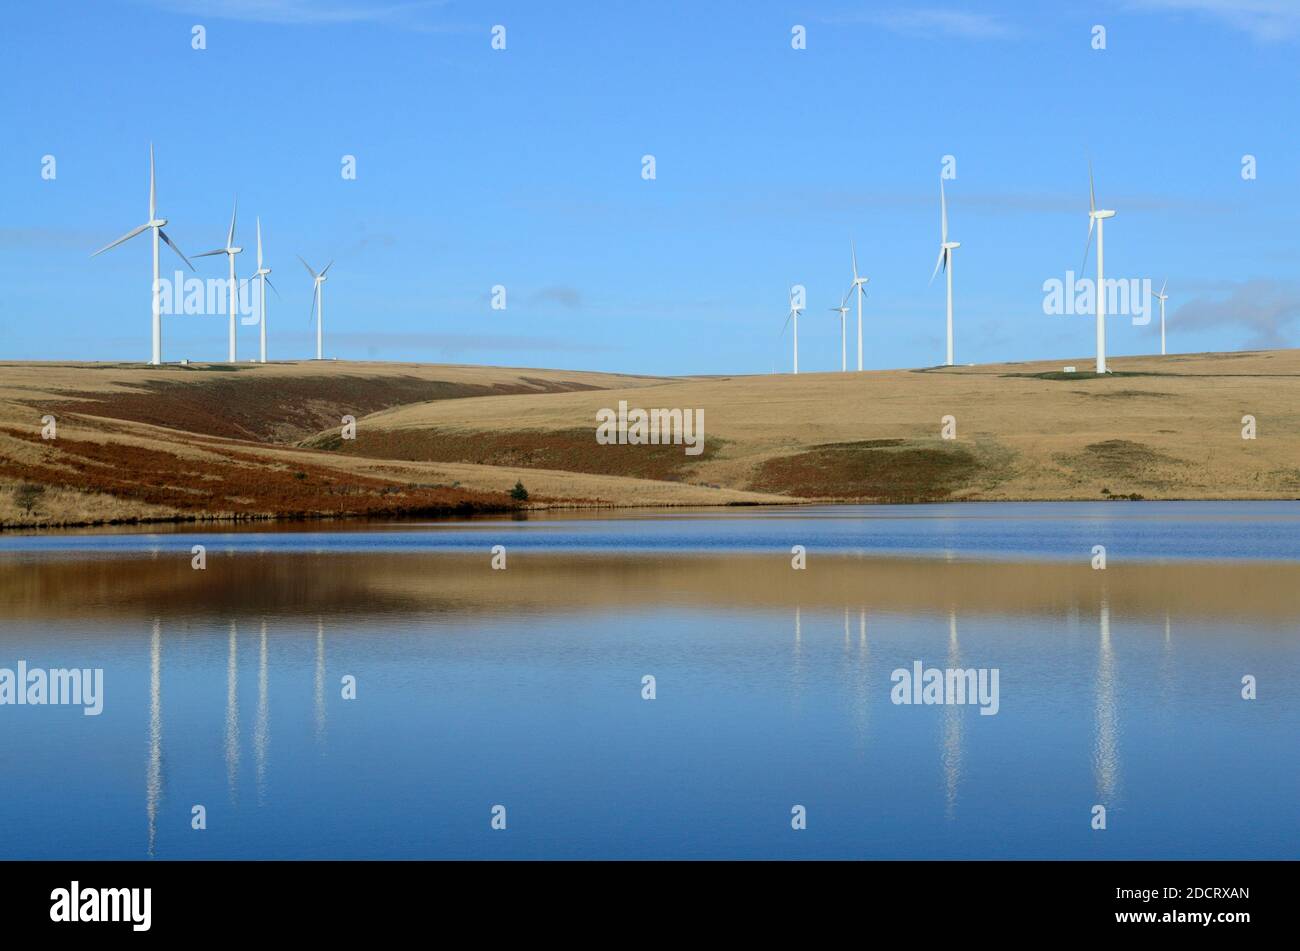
319	692
153	775
232	710
1106	750
952	714
262	734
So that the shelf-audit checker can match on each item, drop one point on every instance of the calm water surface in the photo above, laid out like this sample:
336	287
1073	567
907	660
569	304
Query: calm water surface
523	687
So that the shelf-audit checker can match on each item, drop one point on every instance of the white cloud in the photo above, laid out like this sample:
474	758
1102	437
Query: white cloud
933	22
1267	308
1270	21
305	12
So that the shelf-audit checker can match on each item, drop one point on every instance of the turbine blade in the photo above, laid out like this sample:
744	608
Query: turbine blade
1162	288
307	266
230	239
854	251
311	314
272	286
259	242
163	234
153	191
1092	190
786	324
327	267
939	263
126	237
943	211
1092	223
208	254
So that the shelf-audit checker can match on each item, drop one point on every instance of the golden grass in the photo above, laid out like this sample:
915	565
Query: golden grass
1159	428
203	441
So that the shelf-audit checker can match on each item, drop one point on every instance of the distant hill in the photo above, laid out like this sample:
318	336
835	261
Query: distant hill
249	441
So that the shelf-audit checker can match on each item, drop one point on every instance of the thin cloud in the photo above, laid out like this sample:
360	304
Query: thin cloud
1269	21
934	22
1266	308
305	12
560	294
461	341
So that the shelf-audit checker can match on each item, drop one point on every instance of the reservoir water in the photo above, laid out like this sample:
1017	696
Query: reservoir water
773	687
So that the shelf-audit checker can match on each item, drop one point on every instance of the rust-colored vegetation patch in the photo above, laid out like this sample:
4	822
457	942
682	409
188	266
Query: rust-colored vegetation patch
238	484
573	450
877	470
277	409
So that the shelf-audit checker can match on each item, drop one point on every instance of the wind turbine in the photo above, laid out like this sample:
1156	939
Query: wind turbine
1162	297
156	224
318	300
946	248
844	347
229	251
262	273
794	316
860	283
1097	218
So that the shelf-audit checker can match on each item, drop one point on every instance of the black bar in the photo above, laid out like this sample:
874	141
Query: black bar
971	900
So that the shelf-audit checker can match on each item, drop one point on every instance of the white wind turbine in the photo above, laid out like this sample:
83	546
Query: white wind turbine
156	224
1097	218
229	251
794	316
860	284
262	273
1162	297
318	300
844	344
946	248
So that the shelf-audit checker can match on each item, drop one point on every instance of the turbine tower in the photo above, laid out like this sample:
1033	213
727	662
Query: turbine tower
318	301
860	284
261	274
1097	218
794	316
156	225
946	248
1162	297
844	345
229	251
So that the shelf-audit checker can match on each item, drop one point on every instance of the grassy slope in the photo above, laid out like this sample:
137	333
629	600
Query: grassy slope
1160	427
216	441
213	441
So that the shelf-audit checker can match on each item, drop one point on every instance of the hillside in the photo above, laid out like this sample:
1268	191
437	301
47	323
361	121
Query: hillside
251	441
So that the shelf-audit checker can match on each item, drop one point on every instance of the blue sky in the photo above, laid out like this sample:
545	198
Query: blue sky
522	168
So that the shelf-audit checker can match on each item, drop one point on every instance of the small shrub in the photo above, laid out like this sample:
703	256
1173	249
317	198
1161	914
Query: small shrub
519	493
28	494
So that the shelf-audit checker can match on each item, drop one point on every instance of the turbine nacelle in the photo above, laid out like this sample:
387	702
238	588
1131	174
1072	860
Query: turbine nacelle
1101	214
951	245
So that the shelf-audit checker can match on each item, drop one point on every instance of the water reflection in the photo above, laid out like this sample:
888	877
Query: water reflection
778	686
153	774
262	733
1106	749
952	726
232	710
319	685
